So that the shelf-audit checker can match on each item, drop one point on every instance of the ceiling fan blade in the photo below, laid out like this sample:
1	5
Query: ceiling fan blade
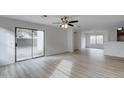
70	25
75	21
56	23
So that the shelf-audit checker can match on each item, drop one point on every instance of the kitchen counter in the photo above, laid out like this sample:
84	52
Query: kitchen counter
114	48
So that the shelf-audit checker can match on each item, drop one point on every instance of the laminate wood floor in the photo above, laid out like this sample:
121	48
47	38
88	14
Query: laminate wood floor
88	63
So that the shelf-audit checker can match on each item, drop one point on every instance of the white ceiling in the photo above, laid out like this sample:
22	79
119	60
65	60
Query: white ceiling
86	22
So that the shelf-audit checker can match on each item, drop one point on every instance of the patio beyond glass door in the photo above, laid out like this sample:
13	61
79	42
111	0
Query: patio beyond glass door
29	44
38	43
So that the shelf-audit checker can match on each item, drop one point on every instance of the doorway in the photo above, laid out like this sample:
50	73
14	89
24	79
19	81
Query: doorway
29	43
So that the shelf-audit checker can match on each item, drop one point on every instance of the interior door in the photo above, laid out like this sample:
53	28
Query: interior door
23	44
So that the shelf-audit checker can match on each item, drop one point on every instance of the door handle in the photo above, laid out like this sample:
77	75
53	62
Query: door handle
16	44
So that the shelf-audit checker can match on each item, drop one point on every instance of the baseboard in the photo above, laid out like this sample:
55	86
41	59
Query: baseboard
114	57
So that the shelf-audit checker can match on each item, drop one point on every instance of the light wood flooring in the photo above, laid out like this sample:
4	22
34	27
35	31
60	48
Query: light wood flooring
89	63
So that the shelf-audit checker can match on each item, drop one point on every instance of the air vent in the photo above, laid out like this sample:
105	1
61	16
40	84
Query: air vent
43	16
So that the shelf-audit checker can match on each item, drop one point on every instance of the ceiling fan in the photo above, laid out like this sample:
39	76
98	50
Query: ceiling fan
66	23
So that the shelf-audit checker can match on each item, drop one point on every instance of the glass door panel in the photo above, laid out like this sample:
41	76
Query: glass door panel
38	43
23	44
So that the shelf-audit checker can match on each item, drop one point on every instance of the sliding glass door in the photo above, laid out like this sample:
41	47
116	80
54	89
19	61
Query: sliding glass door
29	44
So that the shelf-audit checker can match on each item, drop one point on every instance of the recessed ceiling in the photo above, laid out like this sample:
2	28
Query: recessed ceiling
85	21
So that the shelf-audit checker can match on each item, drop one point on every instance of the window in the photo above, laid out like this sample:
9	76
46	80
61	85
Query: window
92	39
96	39
99	39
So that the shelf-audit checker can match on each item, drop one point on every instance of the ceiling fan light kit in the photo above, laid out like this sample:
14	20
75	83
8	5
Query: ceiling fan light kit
65	23
64	26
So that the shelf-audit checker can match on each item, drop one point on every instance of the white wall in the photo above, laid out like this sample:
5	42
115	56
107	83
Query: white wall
70	40
112	35
55	39
77	40
83	40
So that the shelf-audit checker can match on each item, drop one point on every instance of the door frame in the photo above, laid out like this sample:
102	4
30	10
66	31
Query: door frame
32	44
